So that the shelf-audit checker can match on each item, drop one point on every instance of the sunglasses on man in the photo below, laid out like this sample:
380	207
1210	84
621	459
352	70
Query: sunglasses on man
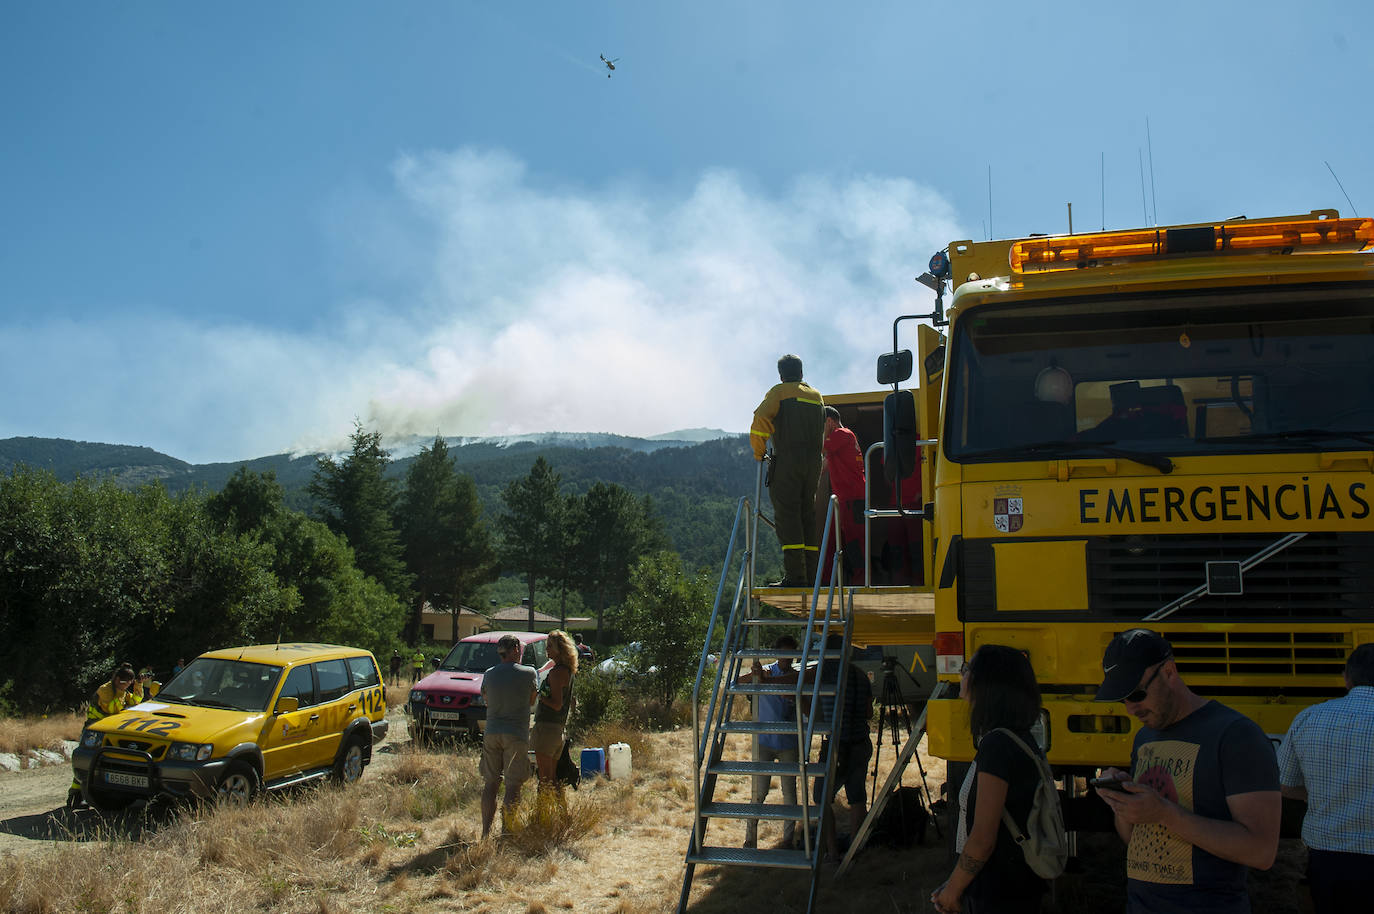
1139	694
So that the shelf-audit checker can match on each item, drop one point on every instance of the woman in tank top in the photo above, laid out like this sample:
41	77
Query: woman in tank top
551	719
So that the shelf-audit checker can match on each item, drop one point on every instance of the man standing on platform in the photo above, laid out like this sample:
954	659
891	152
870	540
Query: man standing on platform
791	417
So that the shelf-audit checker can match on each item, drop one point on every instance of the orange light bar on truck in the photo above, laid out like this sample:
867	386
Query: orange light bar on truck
1070	252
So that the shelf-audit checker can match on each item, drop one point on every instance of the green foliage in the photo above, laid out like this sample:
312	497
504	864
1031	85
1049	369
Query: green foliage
446	543
92	575
615	531
533	527
667	609
356	500
248	501
599	700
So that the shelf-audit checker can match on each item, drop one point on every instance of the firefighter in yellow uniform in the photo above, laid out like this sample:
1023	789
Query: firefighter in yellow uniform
121	692
148	684
418	662
792	418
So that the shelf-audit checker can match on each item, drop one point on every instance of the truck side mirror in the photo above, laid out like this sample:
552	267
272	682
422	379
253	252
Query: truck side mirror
894	367
287	704
900	433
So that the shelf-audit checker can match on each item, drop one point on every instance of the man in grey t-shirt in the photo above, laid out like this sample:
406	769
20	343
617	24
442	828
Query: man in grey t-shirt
509	689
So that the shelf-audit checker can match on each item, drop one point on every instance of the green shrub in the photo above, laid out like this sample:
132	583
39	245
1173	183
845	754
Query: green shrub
597	701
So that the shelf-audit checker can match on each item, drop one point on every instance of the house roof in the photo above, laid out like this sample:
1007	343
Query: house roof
463	612
522	613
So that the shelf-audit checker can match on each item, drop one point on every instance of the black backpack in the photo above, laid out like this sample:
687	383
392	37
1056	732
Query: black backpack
565	771
902	822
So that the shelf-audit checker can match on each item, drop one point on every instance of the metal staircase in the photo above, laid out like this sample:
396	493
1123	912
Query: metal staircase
720	745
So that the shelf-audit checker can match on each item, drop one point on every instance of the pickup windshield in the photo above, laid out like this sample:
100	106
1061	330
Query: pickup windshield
1235	371
471	657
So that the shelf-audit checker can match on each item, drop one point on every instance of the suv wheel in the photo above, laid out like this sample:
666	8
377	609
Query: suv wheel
349	767
238	785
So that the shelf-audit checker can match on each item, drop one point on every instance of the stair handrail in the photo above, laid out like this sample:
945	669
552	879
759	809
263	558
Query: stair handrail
740	512
871	512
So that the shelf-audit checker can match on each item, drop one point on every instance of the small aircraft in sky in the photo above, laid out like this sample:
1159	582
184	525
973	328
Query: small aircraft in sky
610	64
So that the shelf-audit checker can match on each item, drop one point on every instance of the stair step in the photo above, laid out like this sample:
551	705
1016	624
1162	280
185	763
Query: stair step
835	621
771	653
779	811
749	856
813	769
779	688
780	727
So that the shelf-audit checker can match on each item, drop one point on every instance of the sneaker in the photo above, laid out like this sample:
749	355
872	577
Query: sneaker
788	582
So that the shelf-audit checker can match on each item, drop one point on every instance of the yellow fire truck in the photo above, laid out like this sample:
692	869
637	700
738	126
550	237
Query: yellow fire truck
1169	428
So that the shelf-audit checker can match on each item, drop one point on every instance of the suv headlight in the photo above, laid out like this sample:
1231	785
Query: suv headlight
190	752
91	739
479	702
417	695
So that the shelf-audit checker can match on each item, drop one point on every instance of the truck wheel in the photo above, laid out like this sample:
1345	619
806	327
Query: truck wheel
238	785
349	766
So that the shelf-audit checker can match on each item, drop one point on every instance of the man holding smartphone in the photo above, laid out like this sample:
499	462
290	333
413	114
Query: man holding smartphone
1201	802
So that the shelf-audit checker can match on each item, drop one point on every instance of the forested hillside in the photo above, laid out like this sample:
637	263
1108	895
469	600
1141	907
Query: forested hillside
694	489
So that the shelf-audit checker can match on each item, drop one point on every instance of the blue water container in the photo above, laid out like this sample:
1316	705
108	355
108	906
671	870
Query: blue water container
593	763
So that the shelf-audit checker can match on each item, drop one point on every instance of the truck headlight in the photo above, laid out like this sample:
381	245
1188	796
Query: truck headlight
479	702
417	695
190	752
92	738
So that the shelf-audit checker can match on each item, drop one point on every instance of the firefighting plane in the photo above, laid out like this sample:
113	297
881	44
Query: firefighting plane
610	64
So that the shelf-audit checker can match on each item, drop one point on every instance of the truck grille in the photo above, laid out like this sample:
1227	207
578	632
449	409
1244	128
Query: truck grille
1323	576
1254	655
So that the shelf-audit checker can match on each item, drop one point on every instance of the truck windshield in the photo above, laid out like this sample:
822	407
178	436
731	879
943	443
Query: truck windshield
1167	375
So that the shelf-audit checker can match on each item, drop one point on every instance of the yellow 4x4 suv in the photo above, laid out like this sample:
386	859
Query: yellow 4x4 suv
236	721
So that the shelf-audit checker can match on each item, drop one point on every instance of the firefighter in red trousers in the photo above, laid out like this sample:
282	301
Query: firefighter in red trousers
791	418
844	464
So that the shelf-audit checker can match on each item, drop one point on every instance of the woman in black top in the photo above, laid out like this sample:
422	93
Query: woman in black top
991	875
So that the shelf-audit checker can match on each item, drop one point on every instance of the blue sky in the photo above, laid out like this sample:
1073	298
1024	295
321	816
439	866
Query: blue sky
228	230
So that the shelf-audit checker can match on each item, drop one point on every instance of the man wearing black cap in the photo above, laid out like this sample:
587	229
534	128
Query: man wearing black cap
1202	800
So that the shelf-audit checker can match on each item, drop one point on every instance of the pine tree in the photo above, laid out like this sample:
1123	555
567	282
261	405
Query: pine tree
532	528
446	543
356	500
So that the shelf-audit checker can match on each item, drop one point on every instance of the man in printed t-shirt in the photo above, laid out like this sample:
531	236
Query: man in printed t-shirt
1202	801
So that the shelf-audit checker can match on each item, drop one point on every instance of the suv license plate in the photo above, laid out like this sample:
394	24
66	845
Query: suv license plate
127	780
446	715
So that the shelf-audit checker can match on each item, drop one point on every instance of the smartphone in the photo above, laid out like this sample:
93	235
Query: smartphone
1107	784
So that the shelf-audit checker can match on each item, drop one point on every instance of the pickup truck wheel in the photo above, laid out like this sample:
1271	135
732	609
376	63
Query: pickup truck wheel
238	784
349	767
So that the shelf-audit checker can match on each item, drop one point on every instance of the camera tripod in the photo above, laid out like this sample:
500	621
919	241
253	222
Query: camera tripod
894	715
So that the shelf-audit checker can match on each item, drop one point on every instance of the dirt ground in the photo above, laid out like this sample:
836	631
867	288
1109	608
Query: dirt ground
631	862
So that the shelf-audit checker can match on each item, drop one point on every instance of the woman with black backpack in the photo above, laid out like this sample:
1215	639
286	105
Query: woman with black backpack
992	874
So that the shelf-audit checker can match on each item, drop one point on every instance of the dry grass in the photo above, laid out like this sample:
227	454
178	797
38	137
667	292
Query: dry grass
19	735
406	840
